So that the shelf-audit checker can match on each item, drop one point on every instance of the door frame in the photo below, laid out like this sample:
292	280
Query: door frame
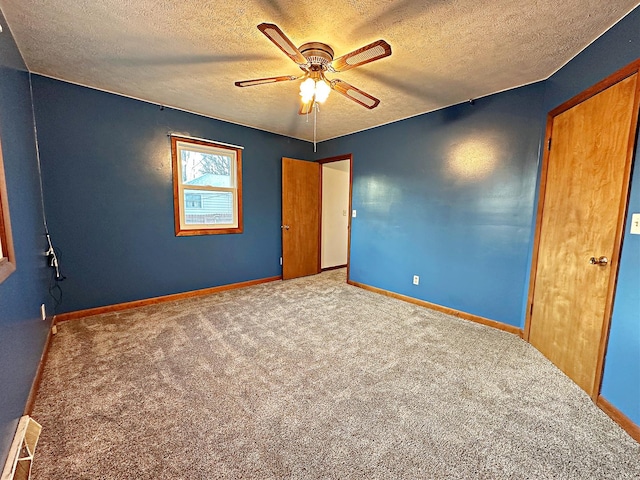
611	80
322	161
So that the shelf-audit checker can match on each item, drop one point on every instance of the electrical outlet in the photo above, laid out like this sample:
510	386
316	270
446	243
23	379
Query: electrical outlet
416	280
43	312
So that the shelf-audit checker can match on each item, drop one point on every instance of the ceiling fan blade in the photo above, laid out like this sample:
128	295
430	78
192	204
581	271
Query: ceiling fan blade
355	94
261	81
307	107
369	53
278	37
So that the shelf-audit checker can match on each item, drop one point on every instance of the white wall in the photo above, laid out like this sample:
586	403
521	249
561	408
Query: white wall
335	213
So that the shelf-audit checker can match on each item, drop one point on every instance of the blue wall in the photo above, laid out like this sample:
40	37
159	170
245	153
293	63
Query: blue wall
449	196
621	382
106	163
22	332
470	238
615	49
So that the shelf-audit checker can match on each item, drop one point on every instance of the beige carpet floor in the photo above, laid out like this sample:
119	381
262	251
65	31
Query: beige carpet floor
312	378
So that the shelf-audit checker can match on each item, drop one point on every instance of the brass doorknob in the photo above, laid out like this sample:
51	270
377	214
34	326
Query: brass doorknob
601	262
284	227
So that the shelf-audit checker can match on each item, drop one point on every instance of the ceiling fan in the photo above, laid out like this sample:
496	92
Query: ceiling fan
314	59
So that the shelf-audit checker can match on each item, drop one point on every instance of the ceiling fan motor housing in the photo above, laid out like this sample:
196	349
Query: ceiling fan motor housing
318	54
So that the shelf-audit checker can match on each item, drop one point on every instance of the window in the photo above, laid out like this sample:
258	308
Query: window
207	185
7	257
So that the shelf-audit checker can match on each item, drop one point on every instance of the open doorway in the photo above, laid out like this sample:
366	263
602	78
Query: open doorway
336	212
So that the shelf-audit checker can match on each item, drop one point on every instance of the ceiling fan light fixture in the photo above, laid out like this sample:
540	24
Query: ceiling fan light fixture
317	90
307	90
322	91
316	58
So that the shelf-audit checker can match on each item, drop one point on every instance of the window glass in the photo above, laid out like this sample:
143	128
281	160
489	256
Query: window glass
208	207
208	169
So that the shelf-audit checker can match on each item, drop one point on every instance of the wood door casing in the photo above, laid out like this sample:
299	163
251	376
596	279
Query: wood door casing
585	189
300	218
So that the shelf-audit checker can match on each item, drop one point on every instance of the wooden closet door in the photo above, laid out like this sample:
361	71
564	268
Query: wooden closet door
586	187
300	218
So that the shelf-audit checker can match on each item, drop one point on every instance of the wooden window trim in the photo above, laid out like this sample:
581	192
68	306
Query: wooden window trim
179	230
8	259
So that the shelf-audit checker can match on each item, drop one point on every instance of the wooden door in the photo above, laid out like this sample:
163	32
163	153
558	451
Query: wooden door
583	200
300	218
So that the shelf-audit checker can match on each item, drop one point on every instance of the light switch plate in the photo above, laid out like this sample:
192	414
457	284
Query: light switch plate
635	224
353	214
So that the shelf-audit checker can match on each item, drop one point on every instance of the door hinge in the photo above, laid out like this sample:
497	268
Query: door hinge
549	144
531	309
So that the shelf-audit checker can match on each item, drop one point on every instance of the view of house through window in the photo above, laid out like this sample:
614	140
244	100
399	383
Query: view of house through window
207	185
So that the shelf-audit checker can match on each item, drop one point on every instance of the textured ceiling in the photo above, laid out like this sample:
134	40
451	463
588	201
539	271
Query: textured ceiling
188	54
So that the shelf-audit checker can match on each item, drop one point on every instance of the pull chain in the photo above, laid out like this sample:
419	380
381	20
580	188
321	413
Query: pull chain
315	124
